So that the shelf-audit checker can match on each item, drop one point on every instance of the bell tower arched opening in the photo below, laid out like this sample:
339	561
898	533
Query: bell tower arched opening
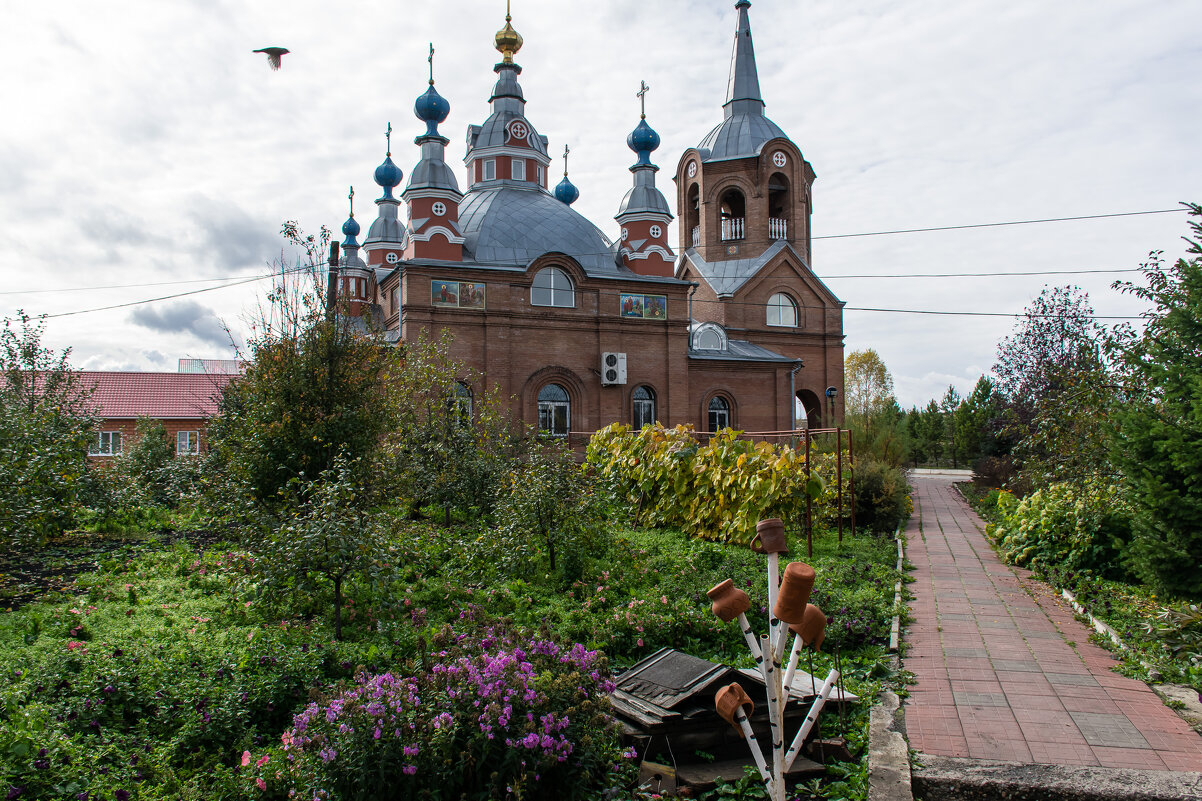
779	206
732	214
693	215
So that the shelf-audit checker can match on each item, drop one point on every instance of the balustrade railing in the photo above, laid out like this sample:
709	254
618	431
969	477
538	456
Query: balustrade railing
778	228
733	228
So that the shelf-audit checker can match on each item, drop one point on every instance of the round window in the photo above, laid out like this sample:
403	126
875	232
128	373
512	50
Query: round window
692	169
518	129
392	258
625	234
656	231
439	208
778	158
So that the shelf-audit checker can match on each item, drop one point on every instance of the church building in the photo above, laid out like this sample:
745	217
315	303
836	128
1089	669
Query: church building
580	328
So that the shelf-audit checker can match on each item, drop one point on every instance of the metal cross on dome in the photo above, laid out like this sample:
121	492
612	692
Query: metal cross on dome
566	151
351	197
430	59
642	96
388	139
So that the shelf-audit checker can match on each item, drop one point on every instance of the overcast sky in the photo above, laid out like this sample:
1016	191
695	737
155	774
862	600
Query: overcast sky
144	143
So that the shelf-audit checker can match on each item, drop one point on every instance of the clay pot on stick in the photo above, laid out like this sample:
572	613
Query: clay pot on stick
728	601
769	536
794	593
728	701
812	628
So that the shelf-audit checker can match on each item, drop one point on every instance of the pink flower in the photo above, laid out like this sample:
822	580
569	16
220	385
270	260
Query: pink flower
262	761
245	758
262	784
639	641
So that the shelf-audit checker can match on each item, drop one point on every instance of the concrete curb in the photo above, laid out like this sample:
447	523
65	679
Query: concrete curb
888	752
895	630
959	779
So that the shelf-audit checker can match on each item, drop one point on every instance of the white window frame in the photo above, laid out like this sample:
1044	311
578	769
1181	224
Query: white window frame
439	208
538	171
553	287
642	409
104	444
489	173
718	418
781	307
187	443
517	169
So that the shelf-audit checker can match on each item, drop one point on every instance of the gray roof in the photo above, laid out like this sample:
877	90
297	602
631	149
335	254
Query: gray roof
511	225
726	277
494	132
432	172
740	350
643	196
745	129
386	227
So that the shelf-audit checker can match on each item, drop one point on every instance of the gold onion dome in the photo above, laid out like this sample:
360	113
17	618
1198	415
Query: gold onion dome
508	41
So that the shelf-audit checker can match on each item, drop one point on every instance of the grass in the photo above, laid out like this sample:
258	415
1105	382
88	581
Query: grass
148	664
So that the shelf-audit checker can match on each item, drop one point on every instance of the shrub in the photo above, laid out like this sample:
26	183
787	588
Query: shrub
1077	527
495	716
882	496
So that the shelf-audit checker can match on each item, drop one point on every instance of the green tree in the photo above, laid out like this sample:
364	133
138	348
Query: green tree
868	385
1057	389
47	424
948	404
1158	444
146	461
977	422
931	431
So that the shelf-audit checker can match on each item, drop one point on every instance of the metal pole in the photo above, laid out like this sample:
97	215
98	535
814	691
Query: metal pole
809	503
839	477
332	282
851	482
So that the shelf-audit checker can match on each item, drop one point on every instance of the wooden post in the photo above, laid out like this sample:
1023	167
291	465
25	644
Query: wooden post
839	477
809	503
851	482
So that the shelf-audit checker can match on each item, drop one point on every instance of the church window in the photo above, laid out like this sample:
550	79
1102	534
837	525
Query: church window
519	170
782	311
719	413
643	411
542	181
107	443
463	403
439	208
392	301
392	258
187	443
554	410
656	231
552	287
732	211
779	158
490	169
709	336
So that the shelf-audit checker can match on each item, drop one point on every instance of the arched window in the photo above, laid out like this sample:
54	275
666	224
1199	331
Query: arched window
719	413
709	336
732	211
552	287
554	410
643	412
463	402
782	310
693	215
778	206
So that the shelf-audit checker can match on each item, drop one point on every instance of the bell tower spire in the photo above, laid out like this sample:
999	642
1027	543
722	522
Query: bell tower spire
743	87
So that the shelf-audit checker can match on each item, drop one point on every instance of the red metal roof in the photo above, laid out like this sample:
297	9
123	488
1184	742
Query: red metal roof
163	396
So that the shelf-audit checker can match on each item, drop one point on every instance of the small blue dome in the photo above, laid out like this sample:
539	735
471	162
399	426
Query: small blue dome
351	229
388	175
431	108
643	140
566	191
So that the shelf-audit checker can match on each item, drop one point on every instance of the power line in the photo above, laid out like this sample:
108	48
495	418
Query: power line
984	275
127	286
999	224
983	314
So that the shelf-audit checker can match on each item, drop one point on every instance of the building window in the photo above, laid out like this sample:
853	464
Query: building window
643	401
782	310
719	414
542	181
490	169
187	443
519	170
463	403
552	287
655	231
392	301
439	208
709	336
554	410
107	443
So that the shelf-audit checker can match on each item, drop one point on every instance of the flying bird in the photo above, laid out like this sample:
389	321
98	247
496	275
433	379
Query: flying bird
274	54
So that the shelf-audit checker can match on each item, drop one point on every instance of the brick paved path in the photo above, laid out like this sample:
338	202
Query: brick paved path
1005	672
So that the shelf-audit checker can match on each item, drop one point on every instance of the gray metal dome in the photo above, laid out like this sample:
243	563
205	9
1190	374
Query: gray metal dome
510	225
494	132
739	136
644	199
386	227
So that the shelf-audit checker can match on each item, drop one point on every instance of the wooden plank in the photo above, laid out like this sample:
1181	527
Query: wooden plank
705	775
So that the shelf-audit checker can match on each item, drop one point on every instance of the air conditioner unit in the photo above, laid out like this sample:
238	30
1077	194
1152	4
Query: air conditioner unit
613	369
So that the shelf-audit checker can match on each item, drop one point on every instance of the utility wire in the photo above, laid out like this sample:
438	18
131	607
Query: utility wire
60	290
983	275
999	224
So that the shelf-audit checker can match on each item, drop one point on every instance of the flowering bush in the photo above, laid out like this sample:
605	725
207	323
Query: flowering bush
495	716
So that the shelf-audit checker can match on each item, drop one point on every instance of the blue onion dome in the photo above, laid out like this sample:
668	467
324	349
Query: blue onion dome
566	191
643	140
388	175
431	108
351	229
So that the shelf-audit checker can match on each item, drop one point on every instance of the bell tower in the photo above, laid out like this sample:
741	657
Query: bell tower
746	186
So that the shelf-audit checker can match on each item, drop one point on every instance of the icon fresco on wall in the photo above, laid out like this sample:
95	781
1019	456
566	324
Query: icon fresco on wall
645	307
457	294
